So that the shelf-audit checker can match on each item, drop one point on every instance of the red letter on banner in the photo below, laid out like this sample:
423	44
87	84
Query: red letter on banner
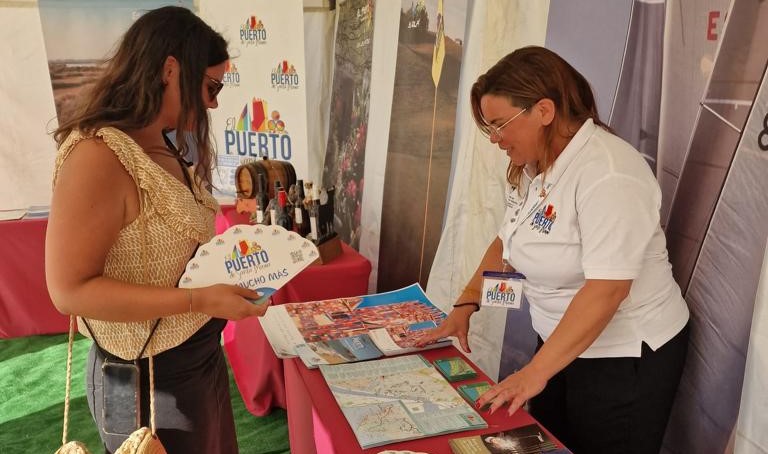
713	16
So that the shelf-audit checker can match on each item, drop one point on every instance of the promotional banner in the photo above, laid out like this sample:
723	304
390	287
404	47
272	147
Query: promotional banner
345	152
80	35
262	108
635	113
751	436
717	231
596	52
693	30
722	115
27	151
421	131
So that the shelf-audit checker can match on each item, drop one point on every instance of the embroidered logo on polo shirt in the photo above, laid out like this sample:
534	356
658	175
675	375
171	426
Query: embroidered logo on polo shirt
544	219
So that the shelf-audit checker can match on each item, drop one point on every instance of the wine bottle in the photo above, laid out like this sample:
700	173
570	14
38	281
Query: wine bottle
262	200
300	213
283	219
274	204
314	214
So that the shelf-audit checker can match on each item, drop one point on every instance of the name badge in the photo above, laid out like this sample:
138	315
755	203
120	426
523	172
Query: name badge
502	289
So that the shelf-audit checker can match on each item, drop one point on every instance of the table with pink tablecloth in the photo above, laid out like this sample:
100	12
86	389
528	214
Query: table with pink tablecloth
25	306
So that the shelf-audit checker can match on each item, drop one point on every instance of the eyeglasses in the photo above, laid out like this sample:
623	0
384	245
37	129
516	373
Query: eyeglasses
214	87
491	130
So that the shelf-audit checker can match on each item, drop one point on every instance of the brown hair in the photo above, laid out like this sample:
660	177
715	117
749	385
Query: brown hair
528	75
129	93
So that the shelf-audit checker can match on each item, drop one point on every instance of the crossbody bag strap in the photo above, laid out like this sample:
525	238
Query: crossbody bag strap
69	379
107	354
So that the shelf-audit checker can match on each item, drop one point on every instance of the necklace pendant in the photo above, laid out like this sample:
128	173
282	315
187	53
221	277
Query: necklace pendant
543	193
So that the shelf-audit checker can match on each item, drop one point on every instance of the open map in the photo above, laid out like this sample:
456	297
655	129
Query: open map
397	399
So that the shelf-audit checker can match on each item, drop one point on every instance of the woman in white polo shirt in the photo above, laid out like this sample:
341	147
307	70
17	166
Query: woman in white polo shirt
582	225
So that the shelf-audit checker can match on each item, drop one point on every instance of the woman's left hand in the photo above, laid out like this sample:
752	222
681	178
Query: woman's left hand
515	389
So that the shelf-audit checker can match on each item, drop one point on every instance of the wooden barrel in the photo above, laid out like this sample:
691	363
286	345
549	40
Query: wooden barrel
247	174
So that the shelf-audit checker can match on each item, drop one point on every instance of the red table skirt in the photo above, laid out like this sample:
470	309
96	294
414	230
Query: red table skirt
25	306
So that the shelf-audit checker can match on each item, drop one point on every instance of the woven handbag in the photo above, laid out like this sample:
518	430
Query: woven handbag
141	441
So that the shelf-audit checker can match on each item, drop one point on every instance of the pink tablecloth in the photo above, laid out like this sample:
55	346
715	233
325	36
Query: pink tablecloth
25	307
316	424
257	371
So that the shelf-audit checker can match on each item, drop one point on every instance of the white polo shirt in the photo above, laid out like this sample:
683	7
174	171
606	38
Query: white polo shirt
597	218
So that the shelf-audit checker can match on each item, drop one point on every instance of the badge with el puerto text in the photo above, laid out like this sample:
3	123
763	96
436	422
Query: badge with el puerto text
502	289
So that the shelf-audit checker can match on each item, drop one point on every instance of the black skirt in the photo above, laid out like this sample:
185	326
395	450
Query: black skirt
193	412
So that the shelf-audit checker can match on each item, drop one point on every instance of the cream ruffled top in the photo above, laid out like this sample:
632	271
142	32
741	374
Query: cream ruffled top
154	249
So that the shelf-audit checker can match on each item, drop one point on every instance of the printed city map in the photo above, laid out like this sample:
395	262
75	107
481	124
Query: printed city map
397	399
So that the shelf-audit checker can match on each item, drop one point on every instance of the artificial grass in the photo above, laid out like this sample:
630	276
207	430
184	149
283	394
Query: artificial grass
32	375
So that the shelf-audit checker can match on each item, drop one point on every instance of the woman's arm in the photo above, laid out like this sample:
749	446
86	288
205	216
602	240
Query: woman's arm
457	323
93	200
593	306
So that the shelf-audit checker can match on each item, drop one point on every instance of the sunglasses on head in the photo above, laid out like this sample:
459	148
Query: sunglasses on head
214	87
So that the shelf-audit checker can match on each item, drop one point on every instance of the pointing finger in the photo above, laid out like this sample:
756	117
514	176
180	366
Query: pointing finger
463	342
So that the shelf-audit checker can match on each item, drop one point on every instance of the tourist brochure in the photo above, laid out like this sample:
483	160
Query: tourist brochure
473	391
259	257
397	399
344	330
528	439
455	369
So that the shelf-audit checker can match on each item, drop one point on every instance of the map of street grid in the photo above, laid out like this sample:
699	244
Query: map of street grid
396	399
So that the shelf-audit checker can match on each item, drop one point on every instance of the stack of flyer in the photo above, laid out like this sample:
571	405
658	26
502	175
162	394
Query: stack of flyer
344	330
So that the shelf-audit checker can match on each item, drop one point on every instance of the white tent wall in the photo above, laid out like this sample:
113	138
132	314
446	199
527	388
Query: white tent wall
27	151
319	25
476	200
385	31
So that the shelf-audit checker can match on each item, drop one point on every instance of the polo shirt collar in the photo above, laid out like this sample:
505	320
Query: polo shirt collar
570	152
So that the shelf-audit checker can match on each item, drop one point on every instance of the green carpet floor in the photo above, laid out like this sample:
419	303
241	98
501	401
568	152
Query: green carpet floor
32	375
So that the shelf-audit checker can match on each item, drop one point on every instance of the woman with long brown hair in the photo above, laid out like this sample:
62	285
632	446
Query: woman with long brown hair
582	225
127	214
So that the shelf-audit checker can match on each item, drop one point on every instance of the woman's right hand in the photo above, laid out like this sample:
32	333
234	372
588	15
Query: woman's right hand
456	324
227	301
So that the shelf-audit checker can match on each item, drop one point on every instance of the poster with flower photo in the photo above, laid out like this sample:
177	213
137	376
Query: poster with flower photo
345	152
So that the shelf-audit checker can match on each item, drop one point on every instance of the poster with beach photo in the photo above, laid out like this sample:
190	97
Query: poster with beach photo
80	35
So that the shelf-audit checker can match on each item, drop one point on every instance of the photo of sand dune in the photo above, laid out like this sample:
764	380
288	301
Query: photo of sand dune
79	37
69	78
